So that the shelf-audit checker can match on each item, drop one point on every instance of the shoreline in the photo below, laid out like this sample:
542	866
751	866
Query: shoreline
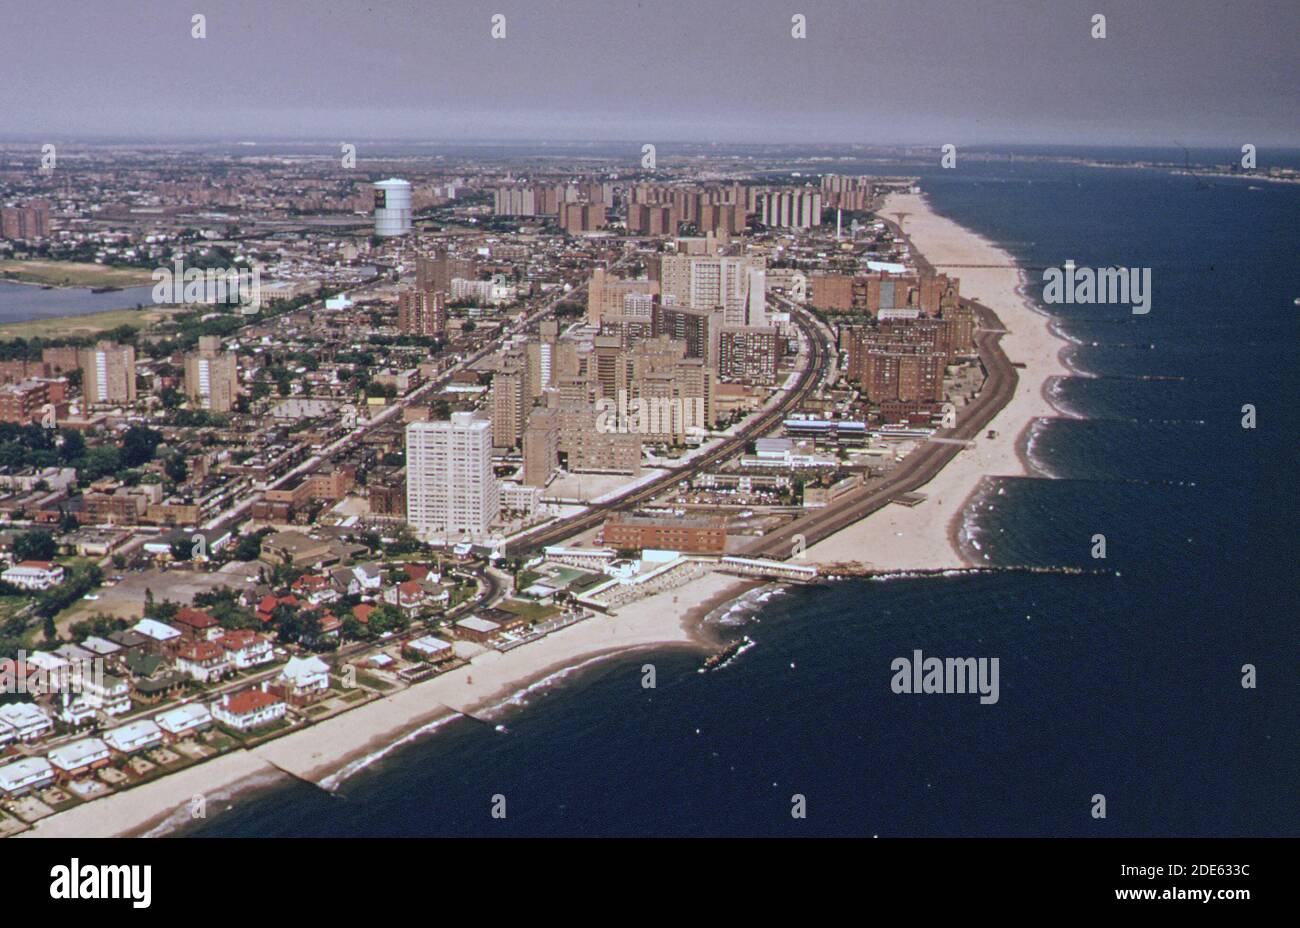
932	535
328	753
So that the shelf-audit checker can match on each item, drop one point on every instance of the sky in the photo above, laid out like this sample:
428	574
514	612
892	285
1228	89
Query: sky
924	72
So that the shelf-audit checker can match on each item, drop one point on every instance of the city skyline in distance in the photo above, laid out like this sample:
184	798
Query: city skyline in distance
925	73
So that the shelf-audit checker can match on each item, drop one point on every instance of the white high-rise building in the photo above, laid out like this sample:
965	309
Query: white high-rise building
451	490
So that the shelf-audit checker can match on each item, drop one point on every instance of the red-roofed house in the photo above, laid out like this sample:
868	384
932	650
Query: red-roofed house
196	625
315	588
362	612
268	604
204	661
248	709
408	595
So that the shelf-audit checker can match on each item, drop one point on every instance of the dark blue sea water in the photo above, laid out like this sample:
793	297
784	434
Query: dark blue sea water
1124	682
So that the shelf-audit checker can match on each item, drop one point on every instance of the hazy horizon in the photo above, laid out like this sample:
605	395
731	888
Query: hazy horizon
924	73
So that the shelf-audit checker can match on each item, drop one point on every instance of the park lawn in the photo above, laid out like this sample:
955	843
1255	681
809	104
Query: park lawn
87	324
74	274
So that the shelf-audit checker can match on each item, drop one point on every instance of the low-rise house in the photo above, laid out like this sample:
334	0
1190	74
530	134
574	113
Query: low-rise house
266	608
134	737
203	661
107	693
25	775
74	710
103	648
344	582
197	625
130	642
153	678
184	721
315	588
161	635
248	709
78	758
369	576
408	595
303	680
34	575
247	649
29	722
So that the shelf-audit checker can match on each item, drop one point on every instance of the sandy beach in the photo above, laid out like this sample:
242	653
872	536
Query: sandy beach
925	536
328	752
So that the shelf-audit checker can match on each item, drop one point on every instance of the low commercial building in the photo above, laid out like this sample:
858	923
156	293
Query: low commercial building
690	535
431	649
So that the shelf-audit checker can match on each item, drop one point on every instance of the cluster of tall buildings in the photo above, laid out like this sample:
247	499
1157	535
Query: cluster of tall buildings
841	191
581	207
917	326
25	223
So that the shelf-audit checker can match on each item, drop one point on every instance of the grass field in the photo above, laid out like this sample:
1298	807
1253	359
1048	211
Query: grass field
74	274
87	324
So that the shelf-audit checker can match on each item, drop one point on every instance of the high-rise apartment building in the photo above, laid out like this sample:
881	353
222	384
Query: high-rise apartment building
212	376
510	403
790	209
422	312
607	295
108	374
736	285
450	487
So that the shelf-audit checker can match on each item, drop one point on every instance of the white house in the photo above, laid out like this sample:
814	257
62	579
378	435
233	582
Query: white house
78	758
26	774
247	649
134	737
303	680
29	722
34	575
108	693
185	720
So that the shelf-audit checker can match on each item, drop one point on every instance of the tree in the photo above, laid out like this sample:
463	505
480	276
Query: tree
138	445
35	546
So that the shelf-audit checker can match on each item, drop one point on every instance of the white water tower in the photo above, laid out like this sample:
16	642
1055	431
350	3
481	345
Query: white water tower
392	207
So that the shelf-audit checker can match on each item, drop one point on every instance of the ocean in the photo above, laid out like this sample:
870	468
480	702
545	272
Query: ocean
1123	681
